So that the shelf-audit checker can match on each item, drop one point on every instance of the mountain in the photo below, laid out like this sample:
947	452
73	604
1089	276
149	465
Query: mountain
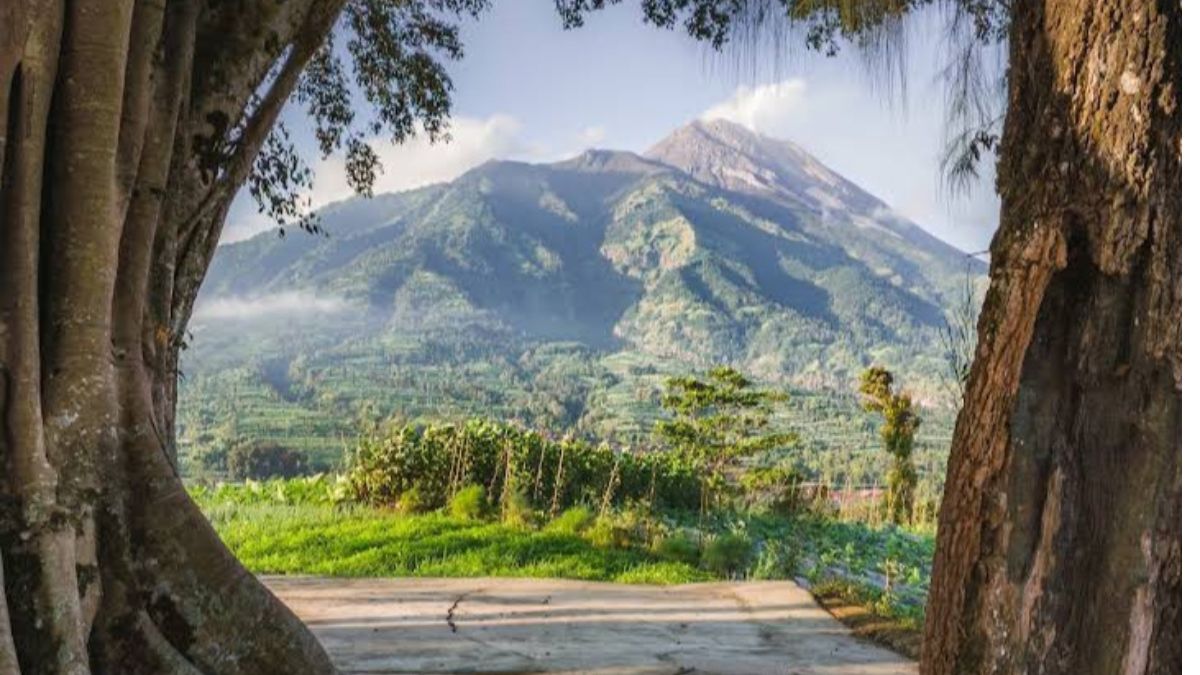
731	157
572	282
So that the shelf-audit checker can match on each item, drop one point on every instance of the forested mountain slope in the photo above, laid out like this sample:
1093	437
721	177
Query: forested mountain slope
559	293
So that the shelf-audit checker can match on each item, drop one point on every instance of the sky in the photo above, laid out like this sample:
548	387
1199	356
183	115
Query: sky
529	90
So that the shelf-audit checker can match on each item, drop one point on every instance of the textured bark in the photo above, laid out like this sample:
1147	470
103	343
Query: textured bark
1059	542
108	115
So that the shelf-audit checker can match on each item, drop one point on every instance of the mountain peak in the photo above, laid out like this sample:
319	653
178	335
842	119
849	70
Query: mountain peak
731	156
726	131
714	133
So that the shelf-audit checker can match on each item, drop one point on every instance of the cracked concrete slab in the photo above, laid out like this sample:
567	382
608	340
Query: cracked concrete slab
387	626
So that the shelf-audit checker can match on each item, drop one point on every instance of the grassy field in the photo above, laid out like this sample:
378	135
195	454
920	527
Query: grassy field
364	542
306	526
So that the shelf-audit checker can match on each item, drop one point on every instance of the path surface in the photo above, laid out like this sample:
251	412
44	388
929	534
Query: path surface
382	626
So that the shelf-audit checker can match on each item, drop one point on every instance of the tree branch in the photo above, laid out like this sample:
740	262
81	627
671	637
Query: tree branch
237	46
200	234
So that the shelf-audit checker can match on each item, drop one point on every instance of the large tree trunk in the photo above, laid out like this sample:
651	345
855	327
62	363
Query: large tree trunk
127	127
1059	542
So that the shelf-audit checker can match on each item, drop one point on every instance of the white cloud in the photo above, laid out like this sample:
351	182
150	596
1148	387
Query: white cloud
592	136
765	108
270	306
244	221
418	162
410	165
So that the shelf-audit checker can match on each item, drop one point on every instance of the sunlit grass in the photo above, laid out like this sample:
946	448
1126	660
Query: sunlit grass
361	542
307	526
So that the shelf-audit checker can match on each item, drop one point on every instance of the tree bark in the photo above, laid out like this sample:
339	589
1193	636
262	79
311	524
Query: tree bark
109	186
1059	541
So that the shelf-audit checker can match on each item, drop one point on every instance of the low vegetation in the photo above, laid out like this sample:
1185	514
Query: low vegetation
314	526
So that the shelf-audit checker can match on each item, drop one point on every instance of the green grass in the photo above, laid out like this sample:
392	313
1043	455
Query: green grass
362	542
308	526
872	599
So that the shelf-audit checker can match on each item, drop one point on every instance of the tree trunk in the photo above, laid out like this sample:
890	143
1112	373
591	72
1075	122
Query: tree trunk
1059	541
110	208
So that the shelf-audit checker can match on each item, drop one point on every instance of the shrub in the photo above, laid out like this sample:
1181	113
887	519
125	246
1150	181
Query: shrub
572	521
260	460
678	547
208	460
625	529
515	510
469	503
777	561
410	503
384	467
386	463
607	532
728	554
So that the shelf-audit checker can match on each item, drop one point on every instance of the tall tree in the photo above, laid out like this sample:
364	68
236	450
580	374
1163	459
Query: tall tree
1060	533
128	126
716	420
1059	540
900	423
1059	536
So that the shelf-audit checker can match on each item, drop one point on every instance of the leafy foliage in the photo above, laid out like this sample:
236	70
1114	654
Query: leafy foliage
264	459
469	503
717	420
397	52
492	461
678	547
729	554
706	20
318	490
572	521
411	502
900	424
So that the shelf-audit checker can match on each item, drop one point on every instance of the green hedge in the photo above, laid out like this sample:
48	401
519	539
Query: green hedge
552	475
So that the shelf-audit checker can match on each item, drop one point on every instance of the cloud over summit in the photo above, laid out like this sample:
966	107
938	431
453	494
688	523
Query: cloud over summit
766	108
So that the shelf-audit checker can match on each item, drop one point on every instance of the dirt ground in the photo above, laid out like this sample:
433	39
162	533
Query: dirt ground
383	626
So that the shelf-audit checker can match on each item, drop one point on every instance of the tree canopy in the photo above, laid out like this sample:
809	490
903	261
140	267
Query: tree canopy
900	424
716	420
